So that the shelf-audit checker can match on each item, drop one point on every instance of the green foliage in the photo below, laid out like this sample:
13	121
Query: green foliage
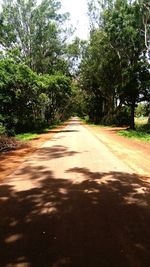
36	64
78	104
29	101
26	136
86	119
141	132
2	129
34	31
136	134
36	133
98	77
58	90
18	92
115	67
119	118
142	110
145	127
75	52
141	120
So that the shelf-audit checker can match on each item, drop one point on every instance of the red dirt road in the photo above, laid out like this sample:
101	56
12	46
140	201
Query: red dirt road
10	160
136	154
73	203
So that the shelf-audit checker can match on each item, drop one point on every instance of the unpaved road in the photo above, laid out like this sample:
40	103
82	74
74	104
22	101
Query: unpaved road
74	204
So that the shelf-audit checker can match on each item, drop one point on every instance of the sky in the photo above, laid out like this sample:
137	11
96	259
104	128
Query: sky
78	15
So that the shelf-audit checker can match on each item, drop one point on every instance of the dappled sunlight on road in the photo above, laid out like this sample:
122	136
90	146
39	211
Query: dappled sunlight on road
58	211
61	221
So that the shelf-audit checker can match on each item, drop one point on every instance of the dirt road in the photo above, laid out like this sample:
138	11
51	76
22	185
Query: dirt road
74	204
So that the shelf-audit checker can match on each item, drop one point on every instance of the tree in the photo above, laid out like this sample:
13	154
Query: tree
35	84
98	76
128	43
116	62
30	101
74	53
18	93
36	31
145	10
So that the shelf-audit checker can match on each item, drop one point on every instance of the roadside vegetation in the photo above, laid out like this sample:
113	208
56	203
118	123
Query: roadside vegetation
142	127
26	136
10	143
141	132
36	69
36	134
44	79
115	66
136	134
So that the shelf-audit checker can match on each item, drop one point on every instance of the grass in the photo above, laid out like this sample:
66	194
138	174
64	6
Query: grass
12	143
26	136
142	131
138	135
33	135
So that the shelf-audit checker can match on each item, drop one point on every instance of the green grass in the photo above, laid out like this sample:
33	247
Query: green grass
26	136
142	131
46	130
138	135
33	135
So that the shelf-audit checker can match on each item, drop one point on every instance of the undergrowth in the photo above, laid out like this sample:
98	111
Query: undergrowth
142	132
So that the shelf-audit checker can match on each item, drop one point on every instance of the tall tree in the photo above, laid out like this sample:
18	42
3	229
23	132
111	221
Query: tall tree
36	31
123	25
119	63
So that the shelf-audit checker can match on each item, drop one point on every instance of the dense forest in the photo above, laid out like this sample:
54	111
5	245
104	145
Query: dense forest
45	79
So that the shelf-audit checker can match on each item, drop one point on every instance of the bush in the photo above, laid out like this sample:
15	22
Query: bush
142	110
120	118
29	100
2	129
143	128
86	118
31	124
9	143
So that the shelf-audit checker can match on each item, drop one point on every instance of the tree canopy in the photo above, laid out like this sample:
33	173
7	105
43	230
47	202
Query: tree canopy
43	78
115	68
35	83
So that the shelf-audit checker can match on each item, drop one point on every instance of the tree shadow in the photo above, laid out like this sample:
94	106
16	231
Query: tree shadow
57	151
100	221
74	122
69	131
64	131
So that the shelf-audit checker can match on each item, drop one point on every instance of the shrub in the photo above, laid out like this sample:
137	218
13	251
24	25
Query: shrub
2	129
119	118
10	143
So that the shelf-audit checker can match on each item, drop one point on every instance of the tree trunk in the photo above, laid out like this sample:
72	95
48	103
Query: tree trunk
148	119
132	123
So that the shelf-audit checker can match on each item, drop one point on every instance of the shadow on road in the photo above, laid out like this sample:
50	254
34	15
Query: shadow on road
64	131
101	221
58	151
